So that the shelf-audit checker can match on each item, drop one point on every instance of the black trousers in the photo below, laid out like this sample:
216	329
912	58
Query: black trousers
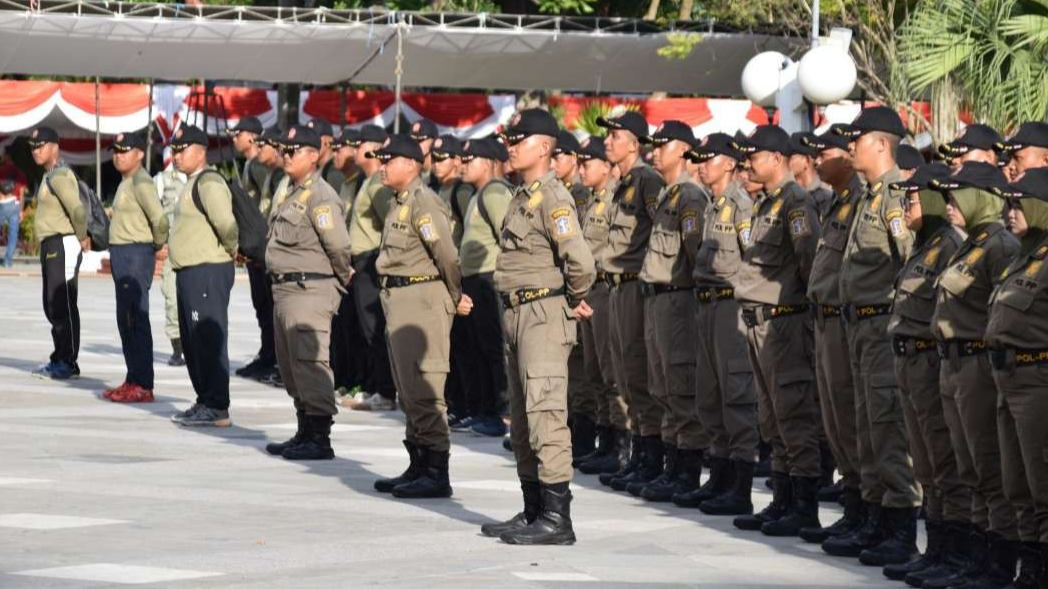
60	258
483	366
373	325
454	390
348	348
203	324
262	300
133	266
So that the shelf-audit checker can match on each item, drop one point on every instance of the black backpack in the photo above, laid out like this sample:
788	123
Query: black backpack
251	226
94	214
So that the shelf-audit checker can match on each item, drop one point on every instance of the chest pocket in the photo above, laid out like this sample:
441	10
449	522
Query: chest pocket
398	240
515	232
1015	297
626	219
767	247
595	229
958	280
290	226
665	243
919	282
836	236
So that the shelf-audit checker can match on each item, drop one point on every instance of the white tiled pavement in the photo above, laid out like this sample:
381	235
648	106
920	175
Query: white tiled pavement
99	495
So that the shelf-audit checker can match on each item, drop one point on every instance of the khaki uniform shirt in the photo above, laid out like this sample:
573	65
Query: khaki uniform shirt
777	263
823	196
138	216
634	204
726	232
824	285
596	222
965	286
366	217
676	234
59	212
169	185
579	194
878	244
308	233
541	242
914	302
1019	305
194	240
416	239
479	245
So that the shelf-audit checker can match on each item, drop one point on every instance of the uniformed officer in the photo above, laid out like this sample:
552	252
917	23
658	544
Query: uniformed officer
169	184
566	166
421	292
331	173
543	273
425	133
60	227
725	398
802	166
961	314
307	256
917	367
271	156
370	206
908	159
975	144
245	141
1019	338
137	230
1028	148
482	363
612	415
344	158
771	287
833	366
634	205
447	171
202	245
878	245
669	314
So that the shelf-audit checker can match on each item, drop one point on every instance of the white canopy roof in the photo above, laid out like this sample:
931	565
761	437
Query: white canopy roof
115	40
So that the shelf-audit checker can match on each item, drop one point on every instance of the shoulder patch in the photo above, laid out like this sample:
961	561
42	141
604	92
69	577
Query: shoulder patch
563	227
895	224
426	229
743	229
689	221
535	199
322	216
982	237
799	223
534	186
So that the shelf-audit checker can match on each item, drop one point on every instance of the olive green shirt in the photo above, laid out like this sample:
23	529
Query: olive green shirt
367	215
480	244
1019	305
61	213
138	216
196	241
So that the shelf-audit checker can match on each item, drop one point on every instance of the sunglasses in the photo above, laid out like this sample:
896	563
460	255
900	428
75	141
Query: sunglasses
291	150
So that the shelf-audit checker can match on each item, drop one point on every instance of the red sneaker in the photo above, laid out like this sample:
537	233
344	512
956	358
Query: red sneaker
132	394
108	393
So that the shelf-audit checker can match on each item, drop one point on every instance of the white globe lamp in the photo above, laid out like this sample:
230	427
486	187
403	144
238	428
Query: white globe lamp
760	77
826	74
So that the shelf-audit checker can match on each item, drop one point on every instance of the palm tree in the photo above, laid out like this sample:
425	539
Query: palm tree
995	51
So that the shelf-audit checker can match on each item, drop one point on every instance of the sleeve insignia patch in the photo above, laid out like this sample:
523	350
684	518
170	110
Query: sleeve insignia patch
562	224
322	216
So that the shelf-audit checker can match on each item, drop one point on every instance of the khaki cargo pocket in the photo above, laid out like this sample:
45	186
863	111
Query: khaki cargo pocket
547	387
740	389
571	327
884	394
311	344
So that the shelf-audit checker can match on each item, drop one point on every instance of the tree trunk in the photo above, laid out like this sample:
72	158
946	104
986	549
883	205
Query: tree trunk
653	10
945	108
686	7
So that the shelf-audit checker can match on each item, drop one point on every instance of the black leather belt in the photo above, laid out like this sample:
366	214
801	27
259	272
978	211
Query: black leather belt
648	289
1004	357
825	311
401	281
298	277
709	295
528	295
960	348
864	312
602	277
909	346
755	316
617	279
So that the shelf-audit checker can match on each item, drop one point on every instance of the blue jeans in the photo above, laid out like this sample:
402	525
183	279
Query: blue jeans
9	214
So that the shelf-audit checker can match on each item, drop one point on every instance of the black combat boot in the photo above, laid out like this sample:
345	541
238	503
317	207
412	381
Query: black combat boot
1031	569
636	454
667	473
737	499
851	520
900	538
553	525
685	478
277	448
931	557
868	535
978	554
804	513
413	471
781	500
999	567
612	456
650	467
829	491
763	467
583	437
532	508
176	358
602	447
955	555
432	482
317	443
719	482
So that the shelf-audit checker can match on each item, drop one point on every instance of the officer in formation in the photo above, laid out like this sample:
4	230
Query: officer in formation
169	184
137	230
307	256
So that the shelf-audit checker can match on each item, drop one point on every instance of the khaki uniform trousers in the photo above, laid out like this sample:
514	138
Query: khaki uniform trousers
539	338
971	408
780	352
726	400
934	461
418	336
302	334
885	465
669	334
596	347
630	359
833	374
1022	406
167	287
